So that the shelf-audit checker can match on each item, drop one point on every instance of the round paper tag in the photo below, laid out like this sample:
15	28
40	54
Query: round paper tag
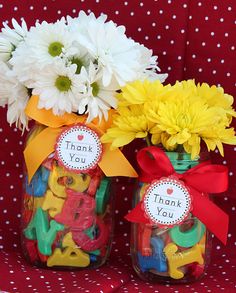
167	202
78	148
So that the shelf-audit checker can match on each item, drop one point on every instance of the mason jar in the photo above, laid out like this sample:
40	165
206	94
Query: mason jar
177	254
67	216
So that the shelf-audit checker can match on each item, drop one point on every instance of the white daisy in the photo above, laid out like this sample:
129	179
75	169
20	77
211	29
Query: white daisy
48	40
58	87
6	48
117	56
6	84
98	99
14	95
148	65
79	24
80	58
10	38
17	34
16	107
44	45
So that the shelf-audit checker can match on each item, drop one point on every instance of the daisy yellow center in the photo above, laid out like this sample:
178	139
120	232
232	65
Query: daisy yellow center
95	87
79	64
55	49
63	83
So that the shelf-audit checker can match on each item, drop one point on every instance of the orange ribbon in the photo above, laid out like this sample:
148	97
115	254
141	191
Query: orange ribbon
112	163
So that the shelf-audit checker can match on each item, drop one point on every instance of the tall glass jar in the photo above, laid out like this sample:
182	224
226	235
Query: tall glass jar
67	217
179	254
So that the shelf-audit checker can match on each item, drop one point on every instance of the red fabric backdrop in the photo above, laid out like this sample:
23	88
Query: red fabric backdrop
193	39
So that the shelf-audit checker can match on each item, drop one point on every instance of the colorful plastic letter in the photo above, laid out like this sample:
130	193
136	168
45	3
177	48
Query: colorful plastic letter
52	203
39	228
157	261
144	237
102	195
179	259
88	244
78	212
190	237
38	184
60	179
69	257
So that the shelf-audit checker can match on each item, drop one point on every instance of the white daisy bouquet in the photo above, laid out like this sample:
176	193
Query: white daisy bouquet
73	65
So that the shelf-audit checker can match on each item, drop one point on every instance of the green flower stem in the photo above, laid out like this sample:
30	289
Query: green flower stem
148	140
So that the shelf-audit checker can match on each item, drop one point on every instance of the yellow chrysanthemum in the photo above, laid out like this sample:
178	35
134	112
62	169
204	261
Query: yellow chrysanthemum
183	120
141	92
215	97
183	114
130	123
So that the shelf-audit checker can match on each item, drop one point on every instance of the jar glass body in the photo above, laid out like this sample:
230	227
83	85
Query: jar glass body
67	217
179	254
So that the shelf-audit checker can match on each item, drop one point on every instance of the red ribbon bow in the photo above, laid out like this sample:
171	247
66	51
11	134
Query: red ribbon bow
200	180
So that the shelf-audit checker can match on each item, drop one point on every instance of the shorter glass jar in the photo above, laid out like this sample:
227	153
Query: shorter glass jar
171	255
67	217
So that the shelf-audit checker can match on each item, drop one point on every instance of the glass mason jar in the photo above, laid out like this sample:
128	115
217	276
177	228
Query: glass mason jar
67	217
171	255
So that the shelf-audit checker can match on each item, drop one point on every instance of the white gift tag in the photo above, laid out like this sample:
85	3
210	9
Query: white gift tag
167	202
78	148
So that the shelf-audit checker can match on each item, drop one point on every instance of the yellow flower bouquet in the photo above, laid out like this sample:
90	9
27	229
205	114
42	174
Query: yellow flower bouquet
181	115
173	215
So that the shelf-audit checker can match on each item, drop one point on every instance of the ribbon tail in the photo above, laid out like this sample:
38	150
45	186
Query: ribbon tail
114	163
215	219
40	148
136	215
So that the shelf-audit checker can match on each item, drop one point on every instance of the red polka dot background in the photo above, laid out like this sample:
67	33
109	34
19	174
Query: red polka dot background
193	39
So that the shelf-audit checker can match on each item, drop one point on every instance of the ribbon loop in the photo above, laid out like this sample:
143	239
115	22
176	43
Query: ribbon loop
154	164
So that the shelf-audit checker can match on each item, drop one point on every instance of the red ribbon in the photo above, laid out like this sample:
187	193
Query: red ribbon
200	180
